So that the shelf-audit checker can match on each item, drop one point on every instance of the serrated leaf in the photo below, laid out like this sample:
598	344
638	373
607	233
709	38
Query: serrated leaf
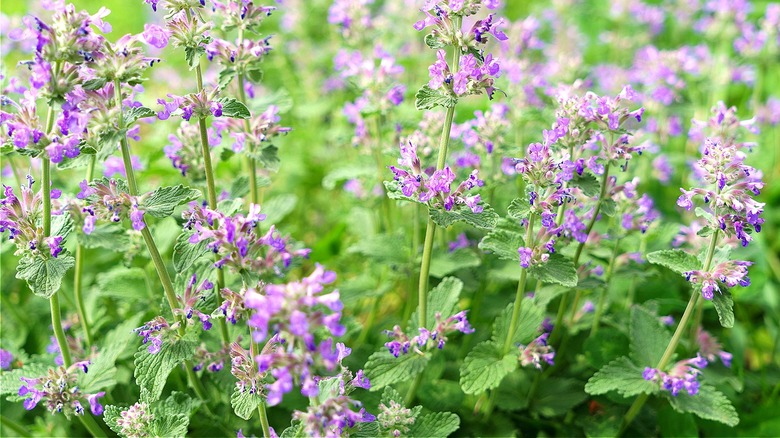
43	273
233	108
112	413
485	367
519	208
185	254
558	397
620	375
382	247
123	283
162	202
445	262
390	395
226	76
278	207
170	425
460	213
383	369
608	207
109	236
394	192
433	42
192	55
708	403
435	424
504	244
101	371
724	305
267	156
443	299
138	112
152	370
9	380
677	260
558	269
94	84
245	404
427	98
529	320
588	183
648	339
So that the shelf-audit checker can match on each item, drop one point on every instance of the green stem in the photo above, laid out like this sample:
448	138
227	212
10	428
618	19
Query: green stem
632	286
77	277
633	411
59	333
251	164
425	266
603	295
412	393
264	420
14	426
380	169
557	328
520	290
91	425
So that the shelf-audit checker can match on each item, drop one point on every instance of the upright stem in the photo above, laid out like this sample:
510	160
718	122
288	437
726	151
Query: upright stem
380	169
254	350
77	277
594	328
430	230
159	264
670	349
59	333
251	163
520	290
556	332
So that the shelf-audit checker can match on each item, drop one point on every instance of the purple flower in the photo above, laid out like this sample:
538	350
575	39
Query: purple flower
155	35
6	359
94	405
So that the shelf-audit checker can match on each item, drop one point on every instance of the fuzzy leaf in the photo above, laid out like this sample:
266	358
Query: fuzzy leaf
485	367
152	370
9	380
443	299
226	76
427	98
94	84
503	243
708	403
394	192
102	371
192	55
185	254
529	320
43	273
557	397
724	305
245	404
677	260
139	112
433	42
486	220
445	262
608	207
233	108
434	424
382	247
267	156
620	375
162	202
588	183
648	338
519	208
383	369
278	207
174	425
558	269
110	236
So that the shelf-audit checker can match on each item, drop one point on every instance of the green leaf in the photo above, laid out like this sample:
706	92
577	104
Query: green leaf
557	397
192	55
394	192
558	269
123	284
460	213
174	425
485	367
445	262
9	380
588	183
335	176
110	236
383	369
672	423
102	371
245	404
433	42
112	413
255	75
519	208
233	108
94	84
677	260
152	370
529	320
267	156
185	254
435	424
382	247
608	207
138	112
226	75
724	305
162	202
428	98
443	299
648	338
504	244
43	273
708	403
278	207
620	375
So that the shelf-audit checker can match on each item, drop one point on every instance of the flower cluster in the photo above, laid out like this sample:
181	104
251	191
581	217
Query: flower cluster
212	361
682	376
263	128
396	418
135	420
6	359
190	298
426	339
482	135
20	216
107	199
155	331
474	75
710	348
536	351
59	392
434	187
200	105
353	17
237	241
336	413
184	149
244	369
731	273
440	15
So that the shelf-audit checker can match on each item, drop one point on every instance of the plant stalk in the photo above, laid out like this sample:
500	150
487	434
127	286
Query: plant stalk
77	277
594	328
633	411
251	163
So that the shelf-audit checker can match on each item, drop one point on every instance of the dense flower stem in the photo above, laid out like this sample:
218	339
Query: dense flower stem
633	411
594	328
77	277
154	253
430	230
556	332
